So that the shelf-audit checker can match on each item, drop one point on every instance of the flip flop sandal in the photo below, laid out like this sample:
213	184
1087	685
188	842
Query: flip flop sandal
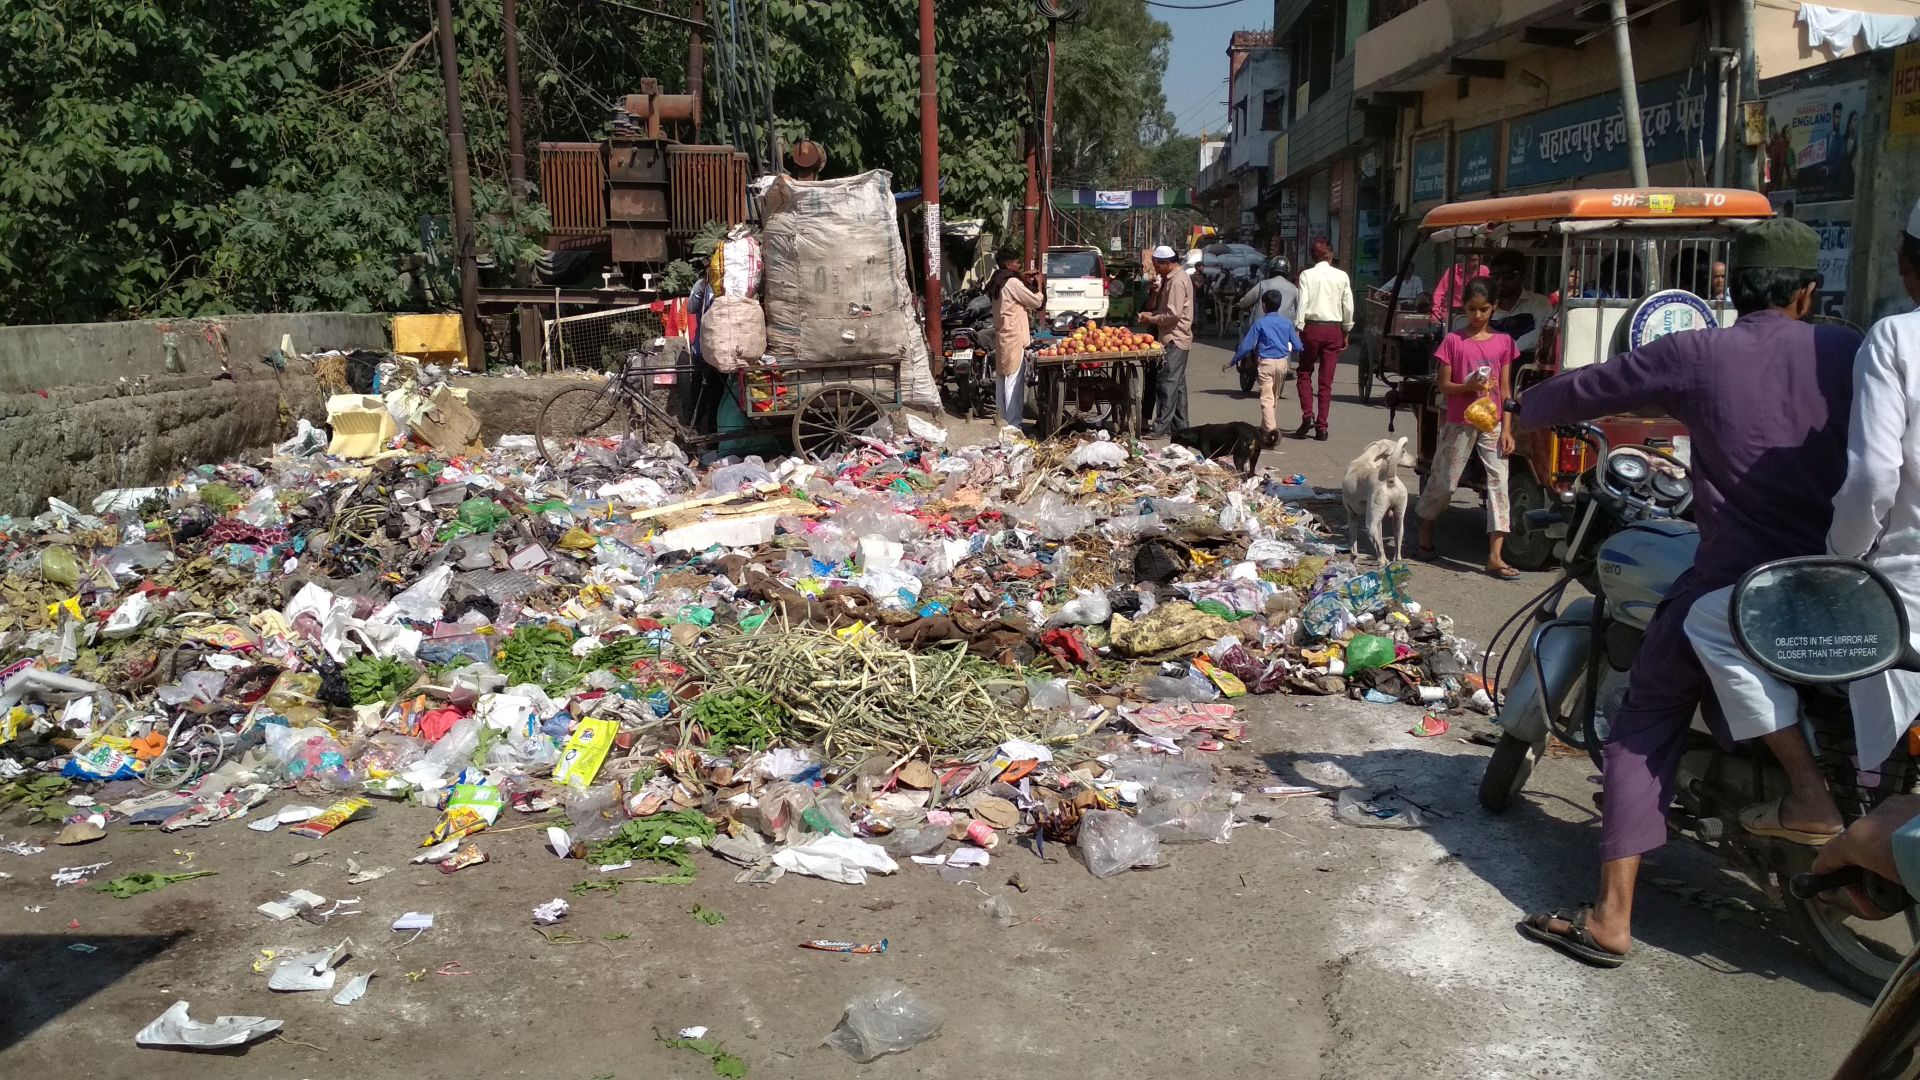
1504	573
1763	819
1576	942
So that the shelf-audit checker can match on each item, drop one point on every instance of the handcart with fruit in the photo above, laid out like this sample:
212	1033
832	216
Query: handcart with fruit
1091	379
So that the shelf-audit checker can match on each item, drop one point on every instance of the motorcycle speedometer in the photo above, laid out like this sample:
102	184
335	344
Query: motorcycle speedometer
1630	469
1670	487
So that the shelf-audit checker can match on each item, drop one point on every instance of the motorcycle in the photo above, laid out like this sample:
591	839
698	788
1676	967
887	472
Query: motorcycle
1628	544
965	331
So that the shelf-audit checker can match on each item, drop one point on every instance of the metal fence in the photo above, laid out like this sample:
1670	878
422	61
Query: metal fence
600	340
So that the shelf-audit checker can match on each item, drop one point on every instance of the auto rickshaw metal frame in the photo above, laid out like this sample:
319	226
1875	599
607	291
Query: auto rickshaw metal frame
1626	244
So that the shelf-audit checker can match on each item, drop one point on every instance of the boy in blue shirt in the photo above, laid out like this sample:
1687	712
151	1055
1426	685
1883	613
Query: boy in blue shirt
1272	342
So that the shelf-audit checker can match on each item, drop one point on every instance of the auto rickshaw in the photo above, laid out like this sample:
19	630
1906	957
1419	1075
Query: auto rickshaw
1620	268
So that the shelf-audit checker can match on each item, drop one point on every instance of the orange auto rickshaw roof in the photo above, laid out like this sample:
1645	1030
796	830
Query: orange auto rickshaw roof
1601	204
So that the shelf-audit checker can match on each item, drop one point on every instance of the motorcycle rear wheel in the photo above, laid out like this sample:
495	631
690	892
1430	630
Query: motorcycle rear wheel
1506	774
1861	964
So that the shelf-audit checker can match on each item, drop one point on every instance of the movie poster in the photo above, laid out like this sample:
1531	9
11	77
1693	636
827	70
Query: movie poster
1813	143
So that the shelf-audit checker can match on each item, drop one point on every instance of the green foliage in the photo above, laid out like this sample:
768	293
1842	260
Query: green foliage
739	717
371	679
1108	103
1175	161
707	915
847	76
36	793
724	1064
202	157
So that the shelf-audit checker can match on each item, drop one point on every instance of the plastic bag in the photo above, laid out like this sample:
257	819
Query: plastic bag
884	1017
1085	609
1055	517
1483	414
1193	686
1173	775
1188	819
1367	810
731	478
1102	454
1367	651
1111	842
596	811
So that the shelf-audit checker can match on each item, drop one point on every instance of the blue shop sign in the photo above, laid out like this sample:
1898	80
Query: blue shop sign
1589	136
1430	168
1474	152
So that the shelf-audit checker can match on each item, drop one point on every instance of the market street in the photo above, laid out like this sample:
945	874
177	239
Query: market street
1305	947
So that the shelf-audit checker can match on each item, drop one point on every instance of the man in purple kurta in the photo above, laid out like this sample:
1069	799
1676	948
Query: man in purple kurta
1766	402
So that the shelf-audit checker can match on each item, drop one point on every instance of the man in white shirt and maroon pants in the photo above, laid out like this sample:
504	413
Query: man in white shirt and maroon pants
1325	319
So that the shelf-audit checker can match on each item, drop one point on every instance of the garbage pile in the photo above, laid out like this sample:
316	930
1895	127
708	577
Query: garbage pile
910	652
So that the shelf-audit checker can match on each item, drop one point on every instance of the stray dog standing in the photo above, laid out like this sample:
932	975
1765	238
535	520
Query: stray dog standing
1373	489
1239	439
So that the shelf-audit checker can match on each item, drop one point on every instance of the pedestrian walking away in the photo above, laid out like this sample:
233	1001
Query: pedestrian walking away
1326	320
1012	333
1473	363
1171	316
1271	342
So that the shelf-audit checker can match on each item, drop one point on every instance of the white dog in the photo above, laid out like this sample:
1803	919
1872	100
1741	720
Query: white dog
1373	489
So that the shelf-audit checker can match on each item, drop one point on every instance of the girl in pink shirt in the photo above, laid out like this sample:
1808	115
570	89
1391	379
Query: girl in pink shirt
1472	362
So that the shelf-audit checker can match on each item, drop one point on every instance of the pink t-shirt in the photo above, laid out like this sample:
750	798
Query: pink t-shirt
1464	356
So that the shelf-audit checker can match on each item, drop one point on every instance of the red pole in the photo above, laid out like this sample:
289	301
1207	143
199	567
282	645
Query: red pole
1046	153
930	176
1033	200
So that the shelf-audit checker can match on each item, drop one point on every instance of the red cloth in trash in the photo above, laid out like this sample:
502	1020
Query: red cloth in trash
435	724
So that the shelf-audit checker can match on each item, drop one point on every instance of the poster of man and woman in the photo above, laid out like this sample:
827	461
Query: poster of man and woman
1813	141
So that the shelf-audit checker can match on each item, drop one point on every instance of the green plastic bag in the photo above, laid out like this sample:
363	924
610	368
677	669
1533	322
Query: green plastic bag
1368	651
482	515
1215	607
58	565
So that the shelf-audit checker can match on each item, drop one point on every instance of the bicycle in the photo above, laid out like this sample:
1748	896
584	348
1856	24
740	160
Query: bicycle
636	400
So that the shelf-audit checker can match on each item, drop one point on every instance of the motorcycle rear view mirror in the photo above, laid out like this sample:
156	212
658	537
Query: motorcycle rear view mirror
1820	620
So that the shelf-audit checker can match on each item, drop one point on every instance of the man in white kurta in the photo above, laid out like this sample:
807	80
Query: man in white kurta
1876	515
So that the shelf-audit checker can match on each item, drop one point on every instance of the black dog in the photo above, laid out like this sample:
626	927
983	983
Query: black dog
1239	439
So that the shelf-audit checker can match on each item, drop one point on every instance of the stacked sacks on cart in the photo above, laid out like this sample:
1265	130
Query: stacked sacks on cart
630	633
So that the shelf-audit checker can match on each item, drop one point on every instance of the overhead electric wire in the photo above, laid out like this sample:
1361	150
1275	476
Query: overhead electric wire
1192	7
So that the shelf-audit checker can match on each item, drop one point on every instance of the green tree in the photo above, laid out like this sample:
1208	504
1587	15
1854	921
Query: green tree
1175	161
1109	107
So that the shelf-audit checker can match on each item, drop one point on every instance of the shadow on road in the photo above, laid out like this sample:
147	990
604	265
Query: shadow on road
41	977
1561	863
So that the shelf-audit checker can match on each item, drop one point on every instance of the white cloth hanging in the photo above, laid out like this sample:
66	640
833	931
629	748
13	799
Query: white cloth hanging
1886	31
1833	27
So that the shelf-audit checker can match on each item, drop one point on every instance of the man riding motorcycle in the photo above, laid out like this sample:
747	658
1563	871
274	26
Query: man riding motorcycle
1765	401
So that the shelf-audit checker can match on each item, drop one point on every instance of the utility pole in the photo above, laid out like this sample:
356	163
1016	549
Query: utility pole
516	134
1033	199
1629	95
462	191
929	177
1046	151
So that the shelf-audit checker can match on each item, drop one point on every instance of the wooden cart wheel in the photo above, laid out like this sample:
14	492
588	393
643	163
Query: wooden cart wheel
831	418
1126	422
1053	406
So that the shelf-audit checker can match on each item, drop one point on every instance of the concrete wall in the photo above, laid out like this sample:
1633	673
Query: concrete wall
35	358
1330	126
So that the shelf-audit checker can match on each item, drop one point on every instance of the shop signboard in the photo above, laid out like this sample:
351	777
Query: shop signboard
1905	118
1589	136
1474	152
1430	168
1813	141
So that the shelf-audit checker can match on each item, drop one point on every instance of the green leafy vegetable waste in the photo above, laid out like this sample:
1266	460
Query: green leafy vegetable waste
128	885
642	840
724	1063
543	655
34	793
706	915
371	679
739	717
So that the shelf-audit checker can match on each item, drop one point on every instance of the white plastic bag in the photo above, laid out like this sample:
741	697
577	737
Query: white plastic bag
1087	608
1112	842
836	858
1101	454
884	1017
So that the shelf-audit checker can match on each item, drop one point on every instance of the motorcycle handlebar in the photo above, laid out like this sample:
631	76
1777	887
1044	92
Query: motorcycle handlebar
1886	895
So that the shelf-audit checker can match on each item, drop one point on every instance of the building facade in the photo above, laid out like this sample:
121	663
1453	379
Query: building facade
1231	186
1477	98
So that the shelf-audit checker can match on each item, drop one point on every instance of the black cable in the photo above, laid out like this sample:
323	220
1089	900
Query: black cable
1191	7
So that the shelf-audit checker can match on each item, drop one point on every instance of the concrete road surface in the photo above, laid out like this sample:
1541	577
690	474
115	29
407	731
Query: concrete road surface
1304	948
